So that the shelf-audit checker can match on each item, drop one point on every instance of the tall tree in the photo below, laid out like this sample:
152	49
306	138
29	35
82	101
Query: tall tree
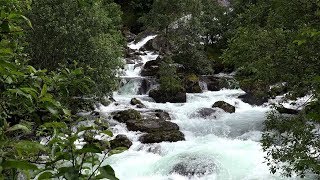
86	31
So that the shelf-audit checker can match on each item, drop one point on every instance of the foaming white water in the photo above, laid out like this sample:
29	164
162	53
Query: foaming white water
133	70
229	141
141	43
220	147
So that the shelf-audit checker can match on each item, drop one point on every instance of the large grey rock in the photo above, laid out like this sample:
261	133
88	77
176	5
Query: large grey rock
156	137
151	125
163	97
252	99
151	68
225	106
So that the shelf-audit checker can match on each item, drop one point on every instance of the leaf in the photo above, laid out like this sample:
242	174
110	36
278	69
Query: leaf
107	172
68	172
19	127
107	132
27	20
19	165
28	147
45	175
44	90
66	112
55	125
89	148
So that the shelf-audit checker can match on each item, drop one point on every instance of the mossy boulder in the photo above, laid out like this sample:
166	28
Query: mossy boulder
126	115
191	84
120	141
256	92
225	106
137	102
157	137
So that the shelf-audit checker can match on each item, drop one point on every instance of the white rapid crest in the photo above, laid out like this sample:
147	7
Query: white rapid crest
224	147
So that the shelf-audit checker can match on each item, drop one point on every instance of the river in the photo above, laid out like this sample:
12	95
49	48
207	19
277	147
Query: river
224	148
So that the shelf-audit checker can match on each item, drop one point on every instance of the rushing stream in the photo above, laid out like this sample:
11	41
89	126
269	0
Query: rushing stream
224	147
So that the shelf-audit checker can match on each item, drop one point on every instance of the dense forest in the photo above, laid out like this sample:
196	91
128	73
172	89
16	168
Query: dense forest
59	58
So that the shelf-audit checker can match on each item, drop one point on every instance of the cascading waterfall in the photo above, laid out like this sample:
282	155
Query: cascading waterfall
224	147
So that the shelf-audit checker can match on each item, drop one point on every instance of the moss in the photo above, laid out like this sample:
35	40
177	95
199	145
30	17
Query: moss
126	115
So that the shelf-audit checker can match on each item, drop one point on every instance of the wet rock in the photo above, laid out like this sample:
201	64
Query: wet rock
135	101
130	61
140	106
151	125
191	84
138	65
145	86
194	165
151	68
225	106
129	35
217	83
252	99
284	110
163	97
120	141
131	57
139	53
161	114
205	112
157	137
124	116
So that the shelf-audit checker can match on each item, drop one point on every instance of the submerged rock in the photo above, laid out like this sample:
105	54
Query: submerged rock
194	165
120	141
124	116
225	106
163	97
156	137
205	113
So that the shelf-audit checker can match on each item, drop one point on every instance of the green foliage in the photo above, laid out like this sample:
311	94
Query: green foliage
84	31
71	161
189	26
34	104
134	10
292	140
169	80
273	42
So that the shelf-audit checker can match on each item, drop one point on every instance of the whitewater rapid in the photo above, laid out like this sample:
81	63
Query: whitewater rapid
226	146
